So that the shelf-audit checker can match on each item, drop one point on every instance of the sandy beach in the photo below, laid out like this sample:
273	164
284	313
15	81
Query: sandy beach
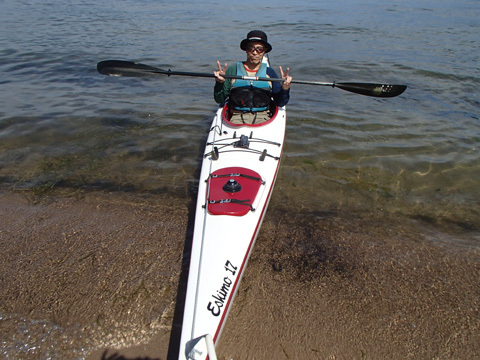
102	275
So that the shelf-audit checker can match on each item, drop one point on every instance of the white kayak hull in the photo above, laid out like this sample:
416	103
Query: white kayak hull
238	174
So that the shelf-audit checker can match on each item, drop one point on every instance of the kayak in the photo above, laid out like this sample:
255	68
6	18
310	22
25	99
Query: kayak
239	168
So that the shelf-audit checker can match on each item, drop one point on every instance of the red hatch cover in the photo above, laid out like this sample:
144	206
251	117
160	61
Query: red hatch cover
232	191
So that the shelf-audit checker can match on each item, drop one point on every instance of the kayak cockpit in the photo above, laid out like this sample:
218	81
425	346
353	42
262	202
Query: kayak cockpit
226	115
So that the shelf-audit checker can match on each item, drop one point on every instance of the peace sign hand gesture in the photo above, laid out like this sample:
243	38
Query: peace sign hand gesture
219	74
288	79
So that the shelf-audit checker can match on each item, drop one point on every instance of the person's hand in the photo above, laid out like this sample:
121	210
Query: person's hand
219	74
288	79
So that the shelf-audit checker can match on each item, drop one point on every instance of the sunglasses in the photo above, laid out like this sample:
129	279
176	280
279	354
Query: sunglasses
258	49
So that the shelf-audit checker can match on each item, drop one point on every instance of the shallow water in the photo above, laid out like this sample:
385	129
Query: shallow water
63	125
61	122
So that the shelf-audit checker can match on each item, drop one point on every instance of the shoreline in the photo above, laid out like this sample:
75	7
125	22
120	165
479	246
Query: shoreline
107	269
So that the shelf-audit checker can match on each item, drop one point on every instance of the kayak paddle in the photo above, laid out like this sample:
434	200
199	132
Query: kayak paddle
128	68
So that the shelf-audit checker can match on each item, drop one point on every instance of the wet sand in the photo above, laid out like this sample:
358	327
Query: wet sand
102	275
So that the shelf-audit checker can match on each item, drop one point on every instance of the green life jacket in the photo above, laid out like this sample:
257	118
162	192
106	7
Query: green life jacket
250	95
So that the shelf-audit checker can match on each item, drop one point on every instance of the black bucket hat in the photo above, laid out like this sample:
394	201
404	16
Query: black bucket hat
256	35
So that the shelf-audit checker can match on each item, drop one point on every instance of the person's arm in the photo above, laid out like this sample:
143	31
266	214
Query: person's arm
221	91
279	94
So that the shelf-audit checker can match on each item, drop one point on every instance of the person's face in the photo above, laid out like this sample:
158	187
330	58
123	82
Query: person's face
255	51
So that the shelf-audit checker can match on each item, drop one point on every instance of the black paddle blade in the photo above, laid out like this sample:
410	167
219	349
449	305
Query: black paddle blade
126	68
377	90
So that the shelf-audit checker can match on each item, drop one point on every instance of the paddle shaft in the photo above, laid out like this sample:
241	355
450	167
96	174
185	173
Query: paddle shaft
242	77
127	68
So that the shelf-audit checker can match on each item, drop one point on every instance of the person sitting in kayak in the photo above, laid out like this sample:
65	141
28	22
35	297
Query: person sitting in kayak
249	101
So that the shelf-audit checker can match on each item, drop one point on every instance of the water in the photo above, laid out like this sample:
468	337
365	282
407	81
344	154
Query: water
417	155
